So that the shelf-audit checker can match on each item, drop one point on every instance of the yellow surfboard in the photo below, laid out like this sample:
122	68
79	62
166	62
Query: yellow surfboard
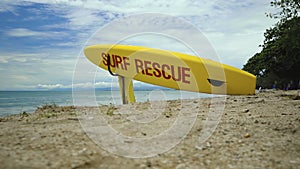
171	69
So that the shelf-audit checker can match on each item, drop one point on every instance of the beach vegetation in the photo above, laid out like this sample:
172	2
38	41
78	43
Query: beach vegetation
167	113
24	114
110	110
48	110
48	106
278	64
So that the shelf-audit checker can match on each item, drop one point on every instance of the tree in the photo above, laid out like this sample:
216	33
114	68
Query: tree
279	59
289	9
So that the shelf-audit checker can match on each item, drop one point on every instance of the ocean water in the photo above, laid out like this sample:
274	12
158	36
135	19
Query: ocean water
15	102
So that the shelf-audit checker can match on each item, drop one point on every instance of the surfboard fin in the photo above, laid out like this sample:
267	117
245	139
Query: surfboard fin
126	89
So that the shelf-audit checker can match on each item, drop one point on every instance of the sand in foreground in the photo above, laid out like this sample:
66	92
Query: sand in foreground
260	131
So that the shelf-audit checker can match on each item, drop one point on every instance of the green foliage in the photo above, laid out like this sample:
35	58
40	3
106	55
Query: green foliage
279	59
110	110
289	9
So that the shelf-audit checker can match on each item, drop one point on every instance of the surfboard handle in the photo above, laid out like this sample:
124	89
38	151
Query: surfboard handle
216	83
125	85
108	67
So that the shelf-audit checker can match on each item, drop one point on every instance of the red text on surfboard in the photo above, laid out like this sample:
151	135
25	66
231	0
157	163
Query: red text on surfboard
116	61
155	69
149	68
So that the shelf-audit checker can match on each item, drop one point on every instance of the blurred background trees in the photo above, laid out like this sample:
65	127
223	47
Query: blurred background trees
279	61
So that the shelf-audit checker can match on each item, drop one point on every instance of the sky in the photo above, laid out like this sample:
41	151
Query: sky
41	42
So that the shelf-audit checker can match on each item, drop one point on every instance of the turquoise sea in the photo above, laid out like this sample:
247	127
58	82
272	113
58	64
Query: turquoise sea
15	102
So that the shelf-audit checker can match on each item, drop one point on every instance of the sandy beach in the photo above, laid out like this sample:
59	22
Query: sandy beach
259	131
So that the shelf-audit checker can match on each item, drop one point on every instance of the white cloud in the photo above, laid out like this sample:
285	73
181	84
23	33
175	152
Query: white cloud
87	85
101	84
22	57
22	32
38	68
9	6
49	86
4	59
83	18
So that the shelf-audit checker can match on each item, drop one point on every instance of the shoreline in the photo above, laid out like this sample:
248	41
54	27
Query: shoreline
259	131
30	101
